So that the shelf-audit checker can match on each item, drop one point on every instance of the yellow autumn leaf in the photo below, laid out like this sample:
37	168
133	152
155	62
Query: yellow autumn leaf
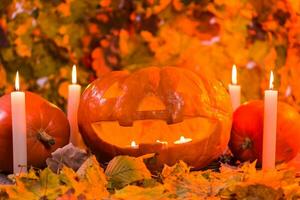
139	193
23	28
147	36
62	30
105	3
93	179
177	4
63	89
22	49
163	4
295	5
270	59
124	42
258	51
64	8
3	80
99	64
123	170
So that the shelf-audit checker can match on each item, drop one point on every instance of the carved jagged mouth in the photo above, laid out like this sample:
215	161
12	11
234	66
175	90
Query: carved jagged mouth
169	118
150	131
151	115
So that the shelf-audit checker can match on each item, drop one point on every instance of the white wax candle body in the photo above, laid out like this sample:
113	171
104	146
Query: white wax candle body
269	131
19	136
73	103
235	95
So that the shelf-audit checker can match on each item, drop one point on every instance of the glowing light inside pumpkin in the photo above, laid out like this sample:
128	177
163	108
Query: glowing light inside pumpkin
182	140
134	145
234	75
162	142
271	86
74	74
17	82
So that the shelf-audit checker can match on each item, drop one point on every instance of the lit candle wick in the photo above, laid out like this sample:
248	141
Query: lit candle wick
271	86
182	140
234	89
161	142
74	75
134	145
234	75
17	82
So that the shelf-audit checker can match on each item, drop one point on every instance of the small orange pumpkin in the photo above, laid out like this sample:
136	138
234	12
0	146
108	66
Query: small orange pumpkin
247	132
47	130
152	106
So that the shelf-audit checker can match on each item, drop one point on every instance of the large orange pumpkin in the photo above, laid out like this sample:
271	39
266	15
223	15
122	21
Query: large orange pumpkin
47	130
154	105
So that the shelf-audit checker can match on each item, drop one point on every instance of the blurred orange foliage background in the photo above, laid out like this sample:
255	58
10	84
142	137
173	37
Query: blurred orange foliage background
43	39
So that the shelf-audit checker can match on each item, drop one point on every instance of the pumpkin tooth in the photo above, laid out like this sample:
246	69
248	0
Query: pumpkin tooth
125	123
177	118
174	120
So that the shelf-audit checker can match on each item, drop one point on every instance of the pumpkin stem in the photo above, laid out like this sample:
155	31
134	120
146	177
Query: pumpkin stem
45	138
247	144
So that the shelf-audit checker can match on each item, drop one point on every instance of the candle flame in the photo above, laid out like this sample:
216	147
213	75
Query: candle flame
133	144
17	82
74	74
182	140
161	142
234	75
271	86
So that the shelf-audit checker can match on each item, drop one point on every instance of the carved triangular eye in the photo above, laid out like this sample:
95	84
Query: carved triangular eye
113	91
151	103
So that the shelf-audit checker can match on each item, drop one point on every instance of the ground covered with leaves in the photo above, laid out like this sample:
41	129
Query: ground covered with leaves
128	178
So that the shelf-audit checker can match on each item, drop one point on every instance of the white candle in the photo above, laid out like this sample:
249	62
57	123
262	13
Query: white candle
182	140
270	122
18	113
234	90
74	92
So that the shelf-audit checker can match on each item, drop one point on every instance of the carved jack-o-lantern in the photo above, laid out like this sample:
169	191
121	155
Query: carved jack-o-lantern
149	110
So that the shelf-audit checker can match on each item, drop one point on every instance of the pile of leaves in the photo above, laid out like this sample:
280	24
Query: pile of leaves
128	178
43	39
